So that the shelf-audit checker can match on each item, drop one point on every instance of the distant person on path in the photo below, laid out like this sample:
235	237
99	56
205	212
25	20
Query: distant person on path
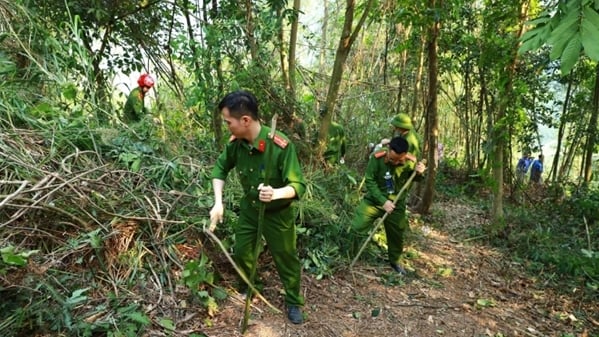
387	171
523	166
135	108
536	170
403	127
334	154
254	154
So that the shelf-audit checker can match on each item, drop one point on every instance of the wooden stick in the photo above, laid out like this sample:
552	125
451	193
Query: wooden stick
261	211
239	271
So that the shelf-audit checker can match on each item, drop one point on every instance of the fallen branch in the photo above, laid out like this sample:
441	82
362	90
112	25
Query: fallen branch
239	271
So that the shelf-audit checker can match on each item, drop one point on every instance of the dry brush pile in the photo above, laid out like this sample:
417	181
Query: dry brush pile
87	244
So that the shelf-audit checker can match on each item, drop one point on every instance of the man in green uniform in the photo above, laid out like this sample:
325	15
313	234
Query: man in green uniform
335	152
336	142
254	154
134	108
403	127
387	171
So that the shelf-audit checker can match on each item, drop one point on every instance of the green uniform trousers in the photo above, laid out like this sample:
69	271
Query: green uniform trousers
396	224
279	232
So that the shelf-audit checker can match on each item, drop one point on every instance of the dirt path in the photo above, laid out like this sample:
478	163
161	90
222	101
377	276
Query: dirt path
458	289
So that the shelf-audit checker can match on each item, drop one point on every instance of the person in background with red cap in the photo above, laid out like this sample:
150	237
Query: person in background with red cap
134	107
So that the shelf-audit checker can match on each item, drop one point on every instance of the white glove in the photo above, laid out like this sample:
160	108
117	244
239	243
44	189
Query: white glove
216	216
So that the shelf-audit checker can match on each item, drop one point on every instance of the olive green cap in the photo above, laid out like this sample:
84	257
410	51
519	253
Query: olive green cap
402	121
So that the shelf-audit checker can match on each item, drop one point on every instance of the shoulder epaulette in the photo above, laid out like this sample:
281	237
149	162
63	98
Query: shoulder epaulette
380	153
280	141
232	139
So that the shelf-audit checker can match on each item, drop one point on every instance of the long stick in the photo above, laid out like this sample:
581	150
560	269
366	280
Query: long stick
381	220
239	271
261	211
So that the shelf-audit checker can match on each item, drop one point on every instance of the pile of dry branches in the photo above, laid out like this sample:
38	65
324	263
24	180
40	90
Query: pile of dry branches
84	213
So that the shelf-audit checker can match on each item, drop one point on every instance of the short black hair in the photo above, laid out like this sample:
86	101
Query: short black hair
240	103
399	145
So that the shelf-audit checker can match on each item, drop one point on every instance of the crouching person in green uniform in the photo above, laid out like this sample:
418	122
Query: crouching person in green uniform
387	171
247	151
135	108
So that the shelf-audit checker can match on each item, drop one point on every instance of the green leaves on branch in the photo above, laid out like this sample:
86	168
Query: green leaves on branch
573	30
11	257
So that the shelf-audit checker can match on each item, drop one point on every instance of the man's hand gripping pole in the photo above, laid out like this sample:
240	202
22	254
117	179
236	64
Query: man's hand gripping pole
382	220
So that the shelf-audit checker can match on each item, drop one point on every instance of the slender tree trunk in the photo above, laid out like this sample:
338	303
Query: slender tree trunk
292	48
282	57
324	38
467	120
432	128
402	78
499	139
419	71
474	161
561	130
570	155
386	51
592	131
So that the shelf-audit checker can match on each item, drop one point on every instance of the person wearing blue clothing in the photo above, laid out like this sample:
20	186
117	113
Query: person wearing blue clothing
523	166
536	170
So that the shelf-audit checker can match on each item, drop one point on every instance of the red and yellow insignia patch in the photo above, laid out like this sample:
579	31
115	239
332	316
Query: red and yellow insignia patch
280	141
380	154
261	145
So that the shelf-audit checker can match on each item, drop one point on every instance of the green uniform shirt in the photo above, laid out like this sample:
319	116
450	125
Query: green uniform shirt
278	226
376	185
249	159
134	107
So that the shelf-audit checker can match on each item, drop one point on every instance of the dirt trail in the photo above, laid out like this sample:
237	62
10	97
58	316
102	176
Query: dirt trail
457	289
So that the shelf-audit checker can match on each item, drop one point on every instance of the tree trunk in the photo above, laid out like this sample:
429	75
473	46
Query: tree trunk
249	30
292	48
432	127
417	94
282	57
592	131
561	131
499	138
345	43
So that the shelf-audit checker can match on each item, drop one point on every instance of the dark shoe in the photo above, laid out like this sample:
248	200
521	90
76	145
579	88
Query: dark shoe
398	269
294	313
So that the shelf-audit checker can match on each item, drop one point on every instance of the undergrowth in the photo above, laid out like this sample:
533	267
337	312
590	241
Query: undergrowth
102	225
550	229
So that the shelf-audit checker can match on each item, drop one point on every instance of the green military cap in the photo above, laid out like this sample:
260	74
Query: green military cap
403	121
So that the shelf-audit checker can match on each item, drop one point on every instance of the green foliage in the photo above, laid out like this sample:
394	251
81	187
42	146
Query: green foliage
10	257
196	276
571	29
325	214
556	240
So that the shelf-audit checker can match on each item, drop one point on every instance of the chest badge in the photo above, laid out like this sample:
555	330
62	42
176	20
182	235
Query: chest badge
261	145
